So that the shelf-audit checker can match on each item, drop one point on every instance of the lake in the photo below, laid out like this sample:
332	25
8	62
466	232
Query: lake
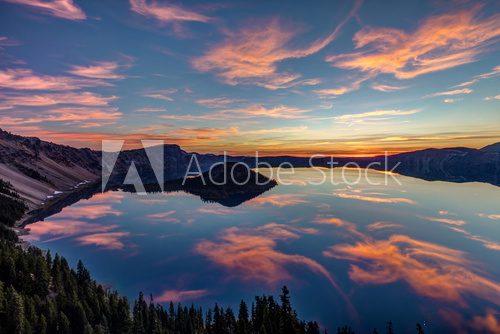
358	254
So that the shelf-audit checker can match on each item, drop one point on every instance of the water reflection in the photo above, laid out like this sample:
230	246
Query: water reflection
408	253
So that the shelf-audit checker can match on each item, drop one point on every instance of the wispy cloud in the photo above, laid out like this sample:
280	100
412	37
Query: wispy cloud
440	42
98	70
25	79
452	92
251	54
161	94
65	9
8	101
387	88
252	111
165	12
376	115
489	98
493	73
150	109
217	102
177	296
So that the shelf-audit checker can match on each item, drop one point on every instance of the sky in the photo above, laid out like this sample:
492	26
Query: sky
347	78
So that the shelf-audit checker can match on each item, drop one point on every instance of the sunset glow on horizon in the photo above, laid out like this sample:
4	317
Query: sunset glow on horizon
352	78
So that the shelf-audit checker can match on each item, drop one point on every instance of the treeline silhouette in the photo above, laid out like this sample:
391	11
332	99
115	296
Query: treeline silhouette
43	294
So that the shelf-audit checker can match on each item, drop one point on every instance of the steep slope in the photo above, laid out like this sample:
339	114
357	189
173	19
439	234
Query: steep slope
38	169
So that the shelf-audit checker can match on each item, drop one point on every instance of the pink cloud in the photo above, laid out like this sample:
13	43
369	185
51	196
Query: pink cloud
440	42
25	79
64	228
431	270
98	70
9	101
165	12
251	54
177	296
107	240
65	9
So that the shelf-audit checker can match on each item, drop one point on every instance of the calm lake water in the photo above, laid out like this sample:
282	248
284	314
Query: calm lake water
351	254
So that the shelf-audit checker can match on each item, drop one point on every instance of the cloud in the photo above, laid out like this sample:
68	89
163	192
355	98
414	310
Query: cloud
451	100
489	216
489	323
252	255
376	115
251	54
382	226
65	9
448	221
489	98
150	109
88	211
98	70
178	296
218	102
107	240
161	94
341	90
493	73
25	79
280	200
431	270
216	211
8	101
387	88
165	12
453	92
164	217
64	228
440	42
375	199
251	111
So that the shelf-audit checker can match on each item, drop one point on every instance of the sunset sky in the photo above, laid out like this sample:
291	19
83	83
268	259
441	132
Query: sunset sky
297	77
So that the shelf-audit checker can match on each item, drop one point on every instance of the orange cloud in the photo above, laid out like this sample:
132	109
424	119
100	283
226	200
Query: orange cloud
65	9
489	323
453	92
164	217
64	228
216	211
108	240
252	254
251	55
440	42
387	88
166	13
431	270
162	94
98	70
372	116
279	200
88	211
489	216
25	79
382	225
252	111
217	102
448	221
9	101
177	296
493	73
375	199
